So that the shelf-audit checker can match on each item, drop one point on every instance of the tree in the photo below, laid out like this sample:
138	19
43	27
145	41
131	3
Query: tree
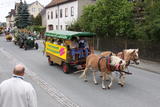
122	18
36	21
32	20
19	13
74	26
149	28
22	16
152	23
25	15
110	18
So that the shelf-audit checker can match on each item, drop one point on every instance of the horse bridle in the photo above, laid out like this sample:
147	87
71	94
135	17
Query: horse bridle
128	62
135	61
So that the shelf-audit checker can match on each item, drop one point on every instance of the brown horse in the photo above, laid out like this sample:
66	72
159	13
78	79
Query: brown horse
128	55
100	63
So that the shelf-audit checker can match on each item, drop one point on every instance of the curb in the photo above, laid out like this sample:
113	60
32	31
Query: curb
157	72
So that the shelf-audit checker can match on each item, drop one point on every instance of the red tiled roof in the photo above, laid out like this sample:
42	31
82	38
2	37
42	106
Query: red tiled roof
57	2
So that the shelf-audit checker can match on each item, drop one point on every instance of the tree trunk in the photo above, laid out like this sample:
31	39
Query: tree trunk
126	43
97	43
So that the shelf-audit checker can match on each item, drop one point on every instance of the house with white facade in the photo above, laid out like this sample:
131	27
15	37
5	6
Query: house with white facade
43	15
35	8
61	13
10	19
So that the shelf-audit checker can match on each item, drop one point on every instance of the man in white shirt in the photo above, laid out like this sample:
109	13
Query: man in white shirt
15	92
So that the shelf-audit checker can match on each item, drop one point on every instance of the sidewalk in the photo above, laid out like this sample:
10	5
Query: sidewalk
145	65
148	66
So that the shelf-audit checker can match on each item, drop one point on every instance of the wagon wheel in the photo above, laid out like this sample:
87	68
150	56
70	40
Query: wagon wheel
25	47
36	45
49	61
66	68
15	42
21	46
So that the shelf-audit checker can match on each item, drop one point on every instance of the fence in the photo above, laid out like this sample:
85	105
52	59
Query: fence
147	50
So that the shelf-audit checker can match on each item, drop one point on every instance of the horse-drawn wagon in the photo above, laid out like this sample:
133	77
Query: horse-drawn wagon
68	49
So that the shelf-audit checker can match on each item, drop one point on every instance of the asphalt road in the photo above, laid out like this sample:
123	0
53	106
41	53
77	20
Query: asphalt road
142	89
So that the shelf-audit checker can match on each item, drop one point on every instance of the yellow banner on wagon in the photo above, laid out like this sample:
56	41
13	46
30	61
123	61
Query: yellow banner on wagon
57	50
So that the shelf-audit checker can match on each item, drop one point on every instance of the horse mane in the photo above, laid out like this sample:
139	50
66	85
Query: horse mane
116	60
129	50
92	50
120	54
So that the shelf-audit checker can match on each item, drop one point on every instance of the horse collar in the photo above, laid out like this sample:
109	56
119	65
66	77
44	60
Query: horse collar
108	61
99	62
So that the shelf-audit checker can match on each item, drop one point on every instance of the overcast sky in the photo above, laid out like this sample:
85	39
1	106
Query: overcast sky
7	5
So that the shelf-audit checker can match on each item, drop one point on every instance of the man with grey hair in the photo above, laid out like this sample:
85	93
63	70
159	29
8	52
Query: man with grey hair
15	92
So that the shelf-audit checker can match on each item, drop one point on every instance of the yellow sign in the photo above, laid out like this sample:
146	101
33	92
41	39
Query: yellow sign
57	50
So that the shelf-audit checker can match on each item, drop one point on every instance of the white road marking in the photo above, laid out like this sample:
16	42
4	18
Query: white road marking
51	90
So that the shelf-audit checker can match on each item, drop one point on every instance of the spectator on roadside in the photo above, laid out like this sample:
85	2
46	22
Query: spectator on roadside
15	92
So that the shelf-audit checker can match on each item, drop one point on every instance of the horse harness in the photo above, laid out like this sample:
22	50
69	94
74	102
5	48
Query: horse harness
110	67
108	64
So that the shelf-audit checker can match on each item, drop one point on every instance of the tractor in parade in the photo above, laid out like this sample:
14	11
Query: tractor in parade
24	39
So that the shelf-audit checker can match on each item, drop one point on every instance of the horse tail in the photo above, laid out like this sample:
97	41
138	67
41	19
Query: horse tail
82	75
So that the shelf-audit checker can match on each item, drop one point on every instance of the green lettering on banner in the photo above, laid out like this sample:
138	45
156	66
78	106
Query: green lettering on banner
53	51
53	47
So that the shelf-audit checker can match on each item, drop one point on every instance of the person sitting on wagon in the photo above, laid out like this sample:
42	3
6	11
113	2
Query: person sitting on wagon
60	42
55	42
84	47
73	47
